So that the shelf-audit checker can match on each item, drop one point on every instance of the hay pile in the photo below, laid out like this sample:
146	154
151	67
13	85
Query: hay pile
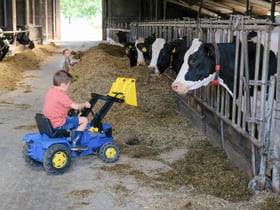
11	68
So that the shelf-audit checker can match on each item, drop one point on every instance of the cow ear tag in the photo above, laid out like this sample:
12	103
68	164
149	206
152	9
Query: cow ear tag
130	46
144	49
174	50
126	86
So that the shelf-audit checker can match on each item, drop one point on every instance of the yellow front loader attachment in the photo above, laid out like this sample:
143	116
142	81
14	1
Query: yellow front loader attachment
125	88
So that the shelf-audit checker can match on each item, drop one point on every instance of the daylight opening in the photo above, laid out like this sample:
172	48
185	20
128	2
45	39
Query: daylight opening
81	20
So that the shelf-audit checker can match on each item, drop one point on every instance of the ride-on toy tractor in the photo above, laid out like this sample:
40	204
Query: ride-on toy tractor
52	147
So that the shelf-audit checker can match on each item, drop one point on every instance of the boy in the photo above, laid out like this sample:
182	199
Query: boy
67	61
57	104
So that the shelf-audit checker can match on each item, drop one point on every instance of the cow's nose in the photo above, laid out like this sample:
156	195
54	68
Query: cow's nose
174	87
151	70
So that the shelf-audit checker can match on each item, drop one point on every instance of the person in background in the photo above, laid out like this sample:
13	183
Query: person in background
57	104
67	66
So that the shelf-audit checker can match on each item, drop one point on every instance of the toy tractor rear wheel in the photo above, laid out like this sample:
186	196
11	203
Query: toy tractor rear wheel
109	152
30	161
57	159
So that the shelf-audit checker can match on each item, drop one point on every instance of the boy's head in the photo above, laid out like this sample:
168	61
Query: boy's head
66	52
61	77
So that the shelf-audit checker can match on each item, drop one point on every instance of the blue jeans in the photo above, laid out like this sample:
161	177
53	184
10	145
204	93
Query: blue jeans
71	123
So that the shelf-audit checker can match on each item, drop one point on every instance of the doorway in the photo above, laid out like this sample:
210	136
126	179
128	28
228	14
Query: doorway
82	24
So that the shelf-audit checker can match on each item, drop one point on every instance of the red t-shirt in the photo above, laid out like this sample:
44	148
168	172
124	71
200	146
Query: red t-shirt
56	106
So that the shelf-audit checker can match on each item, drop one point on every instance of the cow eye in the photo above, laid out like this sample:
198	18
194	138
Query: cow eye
192	60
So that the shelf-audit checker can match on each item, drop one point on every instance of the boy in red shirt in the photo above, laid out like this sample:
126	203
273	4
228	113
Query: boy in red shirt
57	104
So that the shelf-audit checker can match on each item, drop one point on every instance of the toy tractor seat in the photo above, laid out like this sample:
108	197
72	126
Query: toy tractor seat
44	125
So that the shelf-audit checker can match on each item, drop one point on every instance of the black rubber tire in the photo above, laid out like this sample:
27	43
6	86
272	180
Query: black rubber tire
28	160
109	152
57	159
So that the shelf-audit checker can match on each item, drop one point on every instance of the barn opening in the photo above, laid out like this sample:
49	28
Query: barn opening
81	20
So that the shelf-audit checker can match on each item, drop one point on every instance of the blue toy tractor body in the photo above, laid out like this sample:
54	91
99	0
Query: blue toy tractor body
53	147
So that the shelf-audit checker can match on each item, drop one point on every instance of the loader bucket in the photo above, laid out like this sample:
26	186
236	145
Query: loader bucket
127	88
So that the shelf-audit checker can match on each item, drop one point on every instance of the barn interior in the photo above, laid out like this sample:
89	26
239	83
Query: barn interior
166	17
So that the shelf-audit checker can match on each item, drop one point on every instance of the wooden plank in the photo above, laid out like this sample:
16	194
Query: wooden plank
190	112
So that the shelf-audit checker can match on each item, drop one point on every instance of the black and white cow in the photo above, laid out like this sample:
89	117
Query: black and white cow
156	47
4	46
200	62
171	56
21	37
139	50
144	47
132	54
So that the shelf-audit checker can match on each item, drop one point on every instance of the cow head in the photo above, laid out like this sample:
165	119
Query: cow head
180	85
164	57
146	49
31	45
172	55
140	56
201	67
131	52
156	48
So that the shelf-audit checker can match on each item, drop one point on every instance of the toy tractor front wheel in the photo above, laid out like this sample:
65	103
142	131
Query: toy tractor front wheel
109	152
57	159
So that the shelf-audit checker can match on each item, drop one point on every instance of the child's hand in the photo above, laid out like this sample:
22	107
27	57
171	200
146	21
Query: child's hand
87	104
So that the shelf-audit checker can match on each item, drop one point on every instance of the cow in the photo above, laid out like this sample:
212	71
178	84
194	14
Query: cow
123	37
199	67
131	52
171	56
137	52
156	47
144	47
4	45
21	37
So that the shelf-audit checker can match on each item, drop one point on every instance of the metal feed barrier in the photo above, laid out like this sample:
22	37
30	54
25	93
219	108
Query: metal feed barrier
248	130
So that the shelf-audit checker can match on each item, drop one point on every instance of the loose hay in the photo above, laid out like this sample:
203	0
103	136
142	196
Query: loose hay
11	68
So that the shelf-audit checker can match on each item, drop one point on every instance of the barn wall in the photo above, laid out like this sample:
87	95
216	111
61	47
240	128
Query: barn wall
42	18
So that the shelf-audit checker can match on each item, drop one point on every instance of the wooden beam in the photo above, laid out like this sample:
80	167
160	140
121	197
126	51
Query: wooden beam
14	3
261	4
218	7
27	21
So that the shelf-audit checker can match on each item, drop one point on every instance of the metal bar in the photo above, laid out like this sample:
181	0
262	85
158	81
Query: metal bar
276	131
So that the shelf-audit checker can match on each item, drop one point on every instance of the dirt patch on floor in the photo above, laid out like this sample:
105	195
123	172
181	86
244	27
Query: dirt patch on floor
154	130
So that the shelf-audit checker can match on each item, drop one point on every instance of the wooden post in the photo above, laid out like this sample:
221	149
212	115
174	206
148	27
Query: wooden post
27	21
14	15
46	36
33	13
